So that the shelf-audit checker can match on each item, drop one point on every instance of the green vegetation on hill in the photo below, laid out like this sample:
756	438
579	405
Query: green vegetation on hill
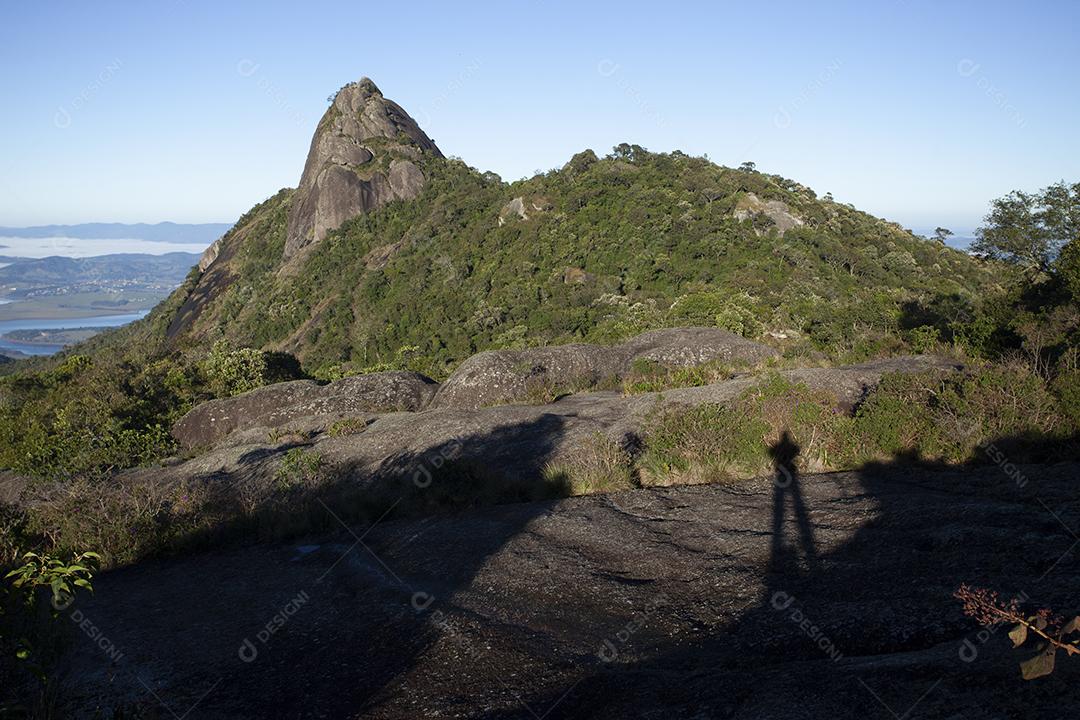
610	247
95	413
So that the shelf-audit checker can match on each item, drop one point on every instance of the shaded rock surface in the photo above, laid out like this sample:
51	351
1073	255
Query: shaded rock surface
362	156
304	404
500	376
828	597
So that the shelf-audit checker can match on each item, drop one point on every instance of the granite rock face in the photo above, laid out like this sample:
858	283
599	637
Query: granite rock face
501	376
303	404
776	211
363	155
678	603
209	255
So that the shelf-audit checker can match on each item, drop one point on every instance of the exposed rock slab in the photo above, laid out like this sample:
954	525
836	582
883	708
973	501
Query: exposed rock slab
829	598
848	384
501	376
293	403
775	210
505	443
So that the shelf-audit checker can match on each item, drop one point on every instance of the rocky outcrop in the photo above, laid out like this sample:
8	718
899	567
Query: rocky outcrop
576	276
490	378
520	208
509	443
303	405
501	376
364	154
515	207
777	211
209	255
408	414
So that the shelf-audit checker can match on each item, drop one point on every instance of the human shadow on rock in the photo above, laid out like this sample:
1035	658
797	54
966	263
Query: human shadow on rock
855	616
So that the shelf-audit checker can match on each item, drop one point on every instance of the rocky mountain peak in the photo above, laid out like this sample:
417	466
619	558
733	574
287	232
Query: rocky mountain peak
364	154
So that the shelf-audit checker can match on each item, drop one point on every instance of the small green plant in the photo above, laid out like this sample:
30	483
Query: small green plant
38	636
60	577
298	468
1066	387
729	310
541	393
232	372
348	426
287	434
924	338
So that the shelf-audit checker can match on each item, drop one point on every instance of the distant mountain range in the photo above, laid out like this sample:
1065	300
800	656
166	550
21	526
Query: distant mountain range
168	232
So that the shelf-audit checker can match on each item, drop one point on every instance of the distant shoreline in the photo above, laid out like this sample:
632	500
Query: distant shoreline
70	313
38	337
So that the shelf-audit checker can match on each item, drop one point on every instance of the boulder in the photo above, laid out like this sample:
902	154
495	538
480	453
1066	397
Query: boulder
686	347
520	208
503	376
298	403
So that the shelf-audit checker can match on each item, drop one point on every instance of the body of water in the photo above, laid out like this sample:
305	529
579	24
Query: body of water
99	321
24	247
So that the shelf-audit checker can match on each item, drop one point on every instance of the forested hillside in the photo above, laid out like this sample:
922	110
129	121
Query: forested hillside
600	249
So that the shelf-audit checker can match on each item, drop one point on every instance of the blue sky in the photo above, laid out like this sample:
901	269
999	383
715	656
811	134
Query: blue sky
920	112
